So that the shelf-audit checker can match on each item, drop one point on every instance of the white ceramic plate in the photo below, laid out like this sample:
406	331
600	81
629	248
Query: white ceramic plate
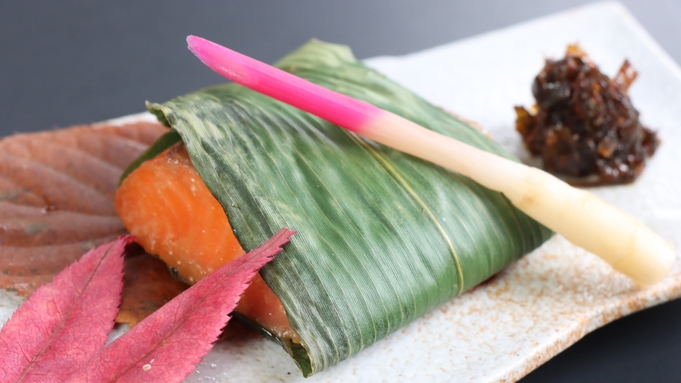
552	297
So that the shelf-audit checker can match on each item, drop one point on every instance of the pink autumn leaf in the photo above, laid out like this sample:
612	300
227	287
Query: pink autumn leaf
64	322
167	345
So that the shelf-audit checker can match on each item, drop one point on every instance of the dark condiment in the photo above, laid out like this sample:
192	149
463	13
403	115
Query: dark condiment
585	125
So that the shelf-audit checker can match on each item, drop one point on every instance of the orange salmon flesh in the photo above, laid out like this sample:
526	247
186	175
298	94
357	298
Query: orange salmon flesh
166	205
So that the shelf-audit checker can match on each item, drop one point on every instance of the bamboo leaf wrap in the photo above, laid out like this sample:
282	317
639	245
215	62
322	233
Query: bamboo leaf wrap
382	237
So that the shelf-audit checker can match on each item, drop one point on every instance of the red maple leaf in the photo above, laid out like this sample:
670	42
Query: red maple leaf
167	345
58	333
63	323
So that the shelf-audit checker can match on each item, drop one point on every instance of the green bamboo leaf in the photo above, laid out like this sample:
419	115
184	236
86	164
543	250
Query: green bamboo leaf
383	237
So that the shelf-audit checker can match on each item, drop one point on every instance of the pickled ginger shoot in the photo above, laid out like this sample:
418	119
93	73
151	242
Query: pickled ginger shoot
581	217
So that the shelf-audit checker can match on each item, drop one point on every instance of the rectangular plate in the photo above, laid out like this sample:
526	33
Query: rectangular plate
554	296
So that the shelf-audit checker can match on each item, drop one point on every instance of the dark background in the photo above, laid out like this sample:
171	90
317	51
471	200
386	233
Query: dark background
70	62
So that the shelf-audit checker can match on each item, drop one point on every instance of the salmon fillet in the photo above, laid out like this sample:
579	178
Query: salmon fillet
166	205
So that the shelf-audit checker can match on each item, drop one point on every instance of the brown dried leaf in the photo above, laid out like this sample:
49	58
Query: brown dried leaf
56	196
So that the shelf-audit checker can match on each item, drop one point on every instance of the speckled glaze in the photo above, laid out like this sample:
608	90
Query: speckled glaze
534	309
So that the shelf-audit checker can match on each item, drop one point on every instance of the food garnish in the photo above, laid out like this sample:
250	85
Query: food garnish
581	217
59	333
585	127
167	345
66	321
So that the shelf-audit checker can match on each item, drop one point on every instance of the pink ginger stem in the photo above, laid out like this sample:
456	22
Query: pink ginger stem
647	258
344	111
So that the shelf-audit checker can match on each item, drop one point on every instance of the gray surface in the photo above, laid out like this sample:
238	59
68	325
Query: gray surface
69	62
